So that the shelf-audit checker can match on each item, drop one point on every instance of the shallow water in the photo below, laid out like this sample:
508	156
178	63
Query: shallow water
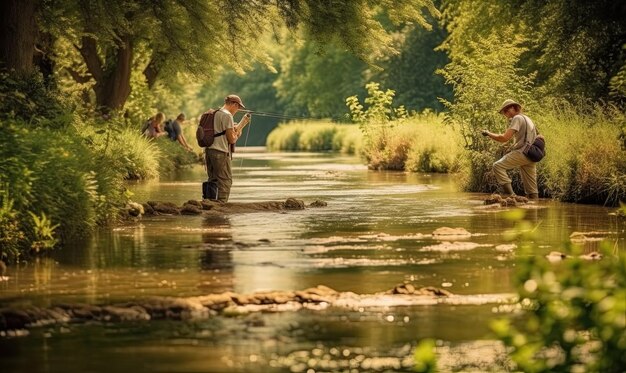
374	234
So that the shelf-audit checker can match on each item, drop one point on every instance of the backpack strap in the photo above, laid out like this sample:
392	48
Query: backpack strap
526	132
220	134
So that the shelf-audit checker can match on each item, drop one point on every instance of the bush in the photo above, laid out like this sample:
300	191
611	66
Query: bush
315	136
585	161
435	146
28	99
395	140
575	317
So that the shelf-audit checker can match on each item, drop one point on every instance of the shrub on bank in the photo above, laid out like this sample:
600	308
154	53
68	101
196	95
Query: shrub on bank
315	136
436	148
51	173
586	162
62	182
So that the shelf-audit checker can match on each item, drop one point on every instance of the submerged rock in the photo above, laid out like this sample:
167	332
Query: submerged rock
505	201
167	208
135	209
227	304
556	256
579	237
193	207
294	204
448	233
594	255
318	203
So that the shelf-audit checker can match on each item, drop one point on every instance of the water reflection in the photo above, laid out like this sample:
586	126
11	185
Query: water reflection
216	253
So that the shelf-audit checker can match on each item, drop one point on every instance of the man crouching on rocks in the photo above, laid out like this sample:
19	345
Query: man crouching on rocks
519	125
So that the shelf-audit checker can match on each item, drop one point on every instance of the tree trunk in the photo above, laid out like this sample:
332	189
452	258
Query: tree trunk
113	89
18	33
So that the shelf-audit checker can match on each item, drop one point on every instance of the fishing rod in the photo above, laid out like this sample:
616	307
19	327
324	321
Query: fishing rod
273	115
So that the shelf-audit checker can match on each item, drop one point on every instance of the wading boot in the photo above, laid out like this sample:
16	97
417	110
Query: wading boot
507	190
532	196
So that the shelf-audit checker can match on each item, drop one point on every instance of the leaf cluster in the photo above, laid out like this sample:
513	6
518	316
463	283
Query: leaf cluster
575	313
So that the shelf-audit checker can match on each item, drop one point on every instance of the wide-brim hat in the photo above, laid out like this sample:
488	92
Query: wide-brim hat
507	103
234	98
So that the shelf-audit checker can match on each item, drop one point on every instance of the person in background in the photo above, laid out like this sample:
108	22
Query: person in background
217	156
154	127
521	128
175	132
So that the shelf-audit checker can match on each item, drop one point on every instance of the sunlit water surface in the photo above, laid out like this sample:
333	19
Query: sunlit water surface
374	234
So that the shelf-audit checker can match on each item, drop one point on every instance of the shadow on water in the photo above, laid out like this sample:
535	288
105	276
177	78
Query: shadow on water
374	234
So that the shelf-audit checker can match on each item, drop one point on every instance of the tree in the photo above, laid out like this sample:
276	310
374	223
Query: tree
18	34
412	72
199	36
314	84
574	48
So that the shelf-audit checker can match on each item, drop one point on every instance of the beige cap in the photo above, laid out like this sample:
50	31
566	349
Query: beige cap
234	98
507	103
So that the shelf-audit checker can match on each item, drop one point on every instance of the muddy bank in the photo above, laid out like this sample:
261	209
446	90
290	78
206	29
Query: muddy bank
232	304
207	207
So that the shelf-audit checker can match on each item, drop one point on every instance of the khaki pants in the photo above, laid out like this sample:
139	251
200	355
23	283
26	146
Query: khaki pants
218	170
528	170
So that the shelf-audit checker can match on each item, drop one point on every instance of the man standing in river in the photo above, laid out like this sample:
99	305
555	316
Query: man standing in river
520	127
218	156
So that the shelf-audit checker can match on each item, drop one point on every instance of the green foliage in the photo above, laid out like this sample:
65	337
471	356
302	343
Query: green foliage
396	141
28	99
482	79
354	25
424	356
317	84
572	47
411	72
434	147
618	86
585	162
575	313
315	136
172	156
165	38
11	236
575	46
44	238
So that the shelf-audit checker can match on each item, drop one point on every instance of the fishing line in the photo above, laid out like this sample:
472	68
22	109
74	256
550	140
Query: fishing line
245	143
274	115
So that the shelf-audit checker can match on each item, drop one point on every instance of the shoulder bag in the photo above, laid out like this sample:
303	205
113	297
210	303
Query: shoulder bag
536	150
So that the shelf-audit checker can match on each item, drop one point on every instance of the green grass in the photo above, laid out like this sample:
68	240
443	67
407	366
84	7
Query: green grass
421	143
315	136
585	161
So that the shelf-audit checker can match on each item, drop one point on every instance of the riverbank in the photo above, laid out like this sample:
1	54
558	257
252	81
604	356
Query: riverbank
585	161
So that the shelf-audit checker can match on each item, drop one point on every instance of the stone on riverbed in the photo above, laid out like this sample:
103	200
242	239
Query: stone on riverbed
167	208
449	233
505	201
318	203
193	207
227	304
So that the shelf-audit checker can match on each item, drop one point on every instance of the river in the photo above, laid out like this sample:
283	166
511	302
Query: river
374	233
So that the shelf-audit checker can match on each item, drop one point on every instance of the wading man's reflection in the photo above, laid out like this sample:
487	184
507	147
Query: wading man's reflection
217	243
